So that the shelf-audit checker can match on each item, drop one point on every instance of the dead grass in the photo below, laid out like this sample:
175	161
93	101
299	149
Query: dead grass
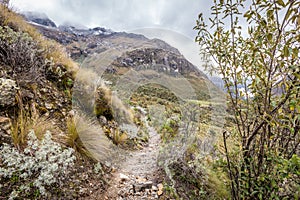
118	137
27	121
87	77
73	140
92	137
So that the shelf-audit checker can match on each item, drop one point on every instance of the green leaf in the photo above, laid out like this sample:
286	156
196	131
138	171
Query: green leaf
280	2
286	51
269	36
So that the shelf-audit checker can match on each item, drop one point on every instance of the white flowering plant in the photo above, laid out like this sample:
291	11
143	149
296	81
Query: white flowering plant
40	166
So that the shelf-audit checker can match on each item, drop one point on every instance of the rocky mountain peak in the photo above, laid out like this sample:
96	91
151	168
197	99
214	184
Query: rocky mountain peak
38	18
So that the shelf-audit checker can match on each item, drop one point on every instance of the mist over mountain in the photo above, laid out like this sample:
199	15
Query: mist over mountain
134	50
39	18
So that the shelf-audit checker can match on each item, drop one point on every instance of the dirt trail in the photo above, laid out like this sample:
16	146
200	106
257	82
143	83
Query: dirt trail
138	176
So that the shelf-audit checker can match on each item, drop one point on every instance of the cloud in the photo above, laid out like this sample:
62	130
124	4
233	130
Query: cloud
121	15
171	21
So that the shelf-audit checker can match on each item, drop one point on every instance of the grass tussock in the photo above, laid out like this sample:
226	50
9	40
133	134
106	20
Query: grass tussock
87	76
73	139
26	121
108	104
118	137
88	139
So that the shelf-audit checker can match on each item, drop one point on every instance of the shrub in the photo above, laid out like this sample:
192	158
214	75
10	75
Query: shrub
40	166
26	60
21	53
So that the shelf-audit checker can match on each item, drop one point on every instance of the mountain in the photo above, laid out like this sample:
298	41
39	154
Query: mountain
127	51
39	18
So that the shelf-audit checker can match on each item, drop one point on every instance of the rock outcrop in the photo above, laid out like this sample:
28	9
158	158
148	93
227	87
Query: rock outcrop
5	130
160	60
39	18
8	91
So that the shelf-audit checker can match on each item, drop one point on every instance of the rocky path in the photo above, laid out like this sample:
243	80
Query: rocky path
138	175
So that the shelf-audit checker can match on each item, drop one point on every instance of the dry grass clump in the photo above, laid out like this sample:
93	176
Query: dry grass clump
26	121
122	113
108	104
86	137
74	125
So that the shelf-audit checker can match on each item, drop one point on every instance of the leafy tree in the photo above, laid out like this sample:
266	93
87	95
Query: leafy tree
254	46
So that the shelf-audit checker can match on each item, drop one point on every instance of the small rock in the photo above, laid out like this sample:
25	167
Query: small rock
160	192
141	186
49	106
44	90
71	113
103	120
138	194
160	189
154	188
107	164
148	184
123	177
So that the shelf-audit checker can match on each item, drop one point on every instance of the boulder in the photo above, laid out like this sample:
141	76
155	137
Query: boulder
5	130
8	91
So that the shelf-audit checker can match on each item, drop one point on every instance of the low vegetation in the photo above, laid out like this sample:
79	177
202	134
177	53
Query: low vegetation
43	166
46	159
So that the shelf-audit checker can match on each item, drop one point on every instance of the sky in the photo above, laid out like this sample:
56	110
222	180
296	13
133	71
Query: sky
169	20
121	15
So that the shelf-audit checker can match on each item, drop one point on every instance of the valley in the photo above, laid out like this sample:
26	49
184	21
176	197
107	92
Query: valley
95	113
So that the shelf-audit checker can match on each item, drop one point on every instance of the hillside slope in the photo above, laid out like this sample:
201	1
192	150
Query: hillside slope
41	155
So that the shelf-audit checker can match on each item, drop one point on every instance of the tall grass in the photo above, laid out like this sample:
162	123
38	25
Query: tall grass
27	121
73	138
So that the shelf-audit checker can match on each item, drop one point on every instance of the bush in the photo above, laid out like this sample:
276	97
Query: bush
21	53
41	166
26	61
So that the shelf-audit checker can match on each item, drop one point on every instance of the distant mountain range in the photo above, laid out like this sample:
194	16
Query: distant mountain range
134	50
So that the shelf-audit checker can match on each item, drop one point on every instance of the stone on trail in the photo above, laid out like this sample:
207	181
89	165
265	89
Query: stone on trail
142	186
123	177
160	189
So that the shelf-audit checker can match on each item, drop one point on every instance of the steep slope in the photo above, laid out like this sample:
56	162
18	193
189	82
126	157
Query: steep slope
39	18
41	155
